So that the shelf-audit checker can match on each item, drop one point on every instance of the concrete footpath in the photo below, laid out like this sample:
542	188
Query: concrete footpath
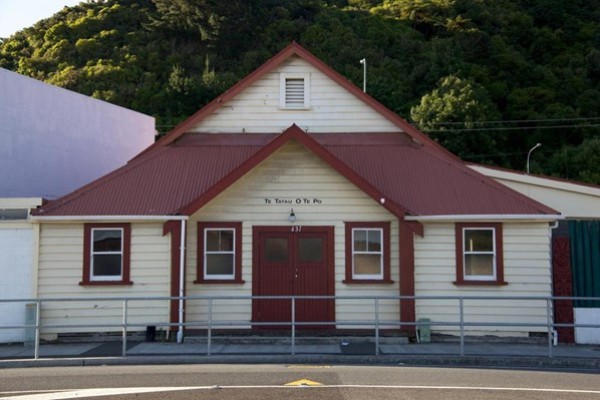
499	355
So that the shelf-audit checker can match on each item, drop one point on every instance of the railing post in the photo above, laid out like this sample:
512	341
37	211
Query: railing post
462	326
124	330
549	319
36	350
209	333
376	326
293	325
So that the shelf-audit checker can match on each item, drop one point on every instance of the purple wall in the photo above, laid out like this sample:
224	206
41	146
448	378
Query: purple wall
53	141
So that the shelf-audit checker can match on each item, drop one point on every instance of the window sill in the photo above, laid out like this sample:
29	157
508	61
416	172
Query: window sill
106	283
219	281
480	283
367	281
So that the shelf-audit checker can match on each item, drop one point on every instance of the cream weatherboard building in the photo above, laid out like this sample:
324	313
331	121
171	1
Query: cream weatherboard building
295	183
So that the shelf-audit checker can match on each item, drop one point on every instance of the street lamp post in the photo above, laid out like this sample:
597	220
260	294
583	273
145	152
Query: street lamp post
529	154
364	63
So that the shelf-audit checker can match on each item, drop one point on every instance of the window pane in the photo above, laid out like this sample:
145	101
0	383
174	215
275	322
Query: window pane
367	264
479	264
479	240
219	240
107	240
360	239
374	240
219	264
310	249
276	249
107	265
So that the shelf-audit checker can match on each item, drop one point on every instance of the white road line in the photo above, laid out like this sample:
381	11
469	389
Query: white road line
33	391
80	393
508	389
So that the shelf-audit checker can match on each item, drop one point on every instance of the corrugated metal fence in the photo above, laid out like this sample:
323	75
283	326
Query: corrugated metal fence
585	260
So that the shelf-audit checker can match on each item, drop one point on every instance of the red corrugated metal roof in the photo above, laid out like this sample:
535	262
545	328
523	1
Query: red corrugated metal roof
416	179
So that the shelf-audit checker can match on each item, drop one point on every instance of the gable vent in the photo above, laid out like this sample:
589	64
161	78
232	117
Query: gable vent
294	92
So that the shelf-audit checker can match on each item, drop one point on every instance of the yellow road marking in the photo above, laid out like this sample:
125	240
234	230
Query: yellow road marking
303	382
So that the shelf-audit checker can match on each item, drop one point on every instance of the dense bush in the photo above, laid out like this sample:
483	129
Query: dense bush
488	79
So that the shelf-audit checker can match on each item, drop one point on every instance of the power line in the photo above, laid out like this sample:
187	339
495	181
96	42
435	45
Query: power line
520	121
518	153
515	128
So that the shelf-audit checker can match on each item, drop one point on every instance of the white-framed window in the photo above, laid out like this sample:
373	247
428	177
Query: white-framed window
107	250
367	253
479	254
294	91
219	253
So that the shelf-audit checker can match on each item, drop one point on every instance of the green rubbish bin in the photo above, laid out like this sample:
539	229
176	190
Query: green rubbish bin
30	319
424	330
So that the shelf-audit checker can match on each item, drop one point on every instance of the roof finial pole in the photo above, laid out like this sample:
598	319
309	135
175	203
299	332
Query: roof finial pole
364	63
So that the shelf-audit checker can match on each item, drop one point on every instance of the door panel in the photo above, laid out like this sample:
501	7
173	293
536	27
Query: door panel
293	261
276	278
311	277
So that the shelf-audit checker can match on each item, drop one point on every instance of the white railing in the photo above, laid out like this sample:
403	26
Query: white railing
376	323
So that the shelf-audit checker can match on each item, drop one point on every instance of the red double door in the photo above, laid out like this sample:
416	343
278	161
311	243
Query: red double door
293	261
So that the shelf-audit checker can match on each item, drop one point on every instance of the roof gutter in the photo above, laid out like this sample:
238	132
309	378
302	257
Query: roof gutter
44	218
487	217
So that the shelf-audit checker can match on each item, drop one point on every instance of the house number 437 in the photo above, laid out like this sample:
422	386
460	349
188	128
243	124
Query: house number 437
296	229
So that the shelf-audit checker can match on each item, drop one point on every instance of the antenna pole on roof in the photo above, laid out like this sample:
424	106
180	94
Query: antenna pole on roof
364	63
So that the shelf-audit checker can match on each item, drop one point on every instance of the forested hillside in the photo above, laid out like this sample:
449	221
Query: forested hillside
488	79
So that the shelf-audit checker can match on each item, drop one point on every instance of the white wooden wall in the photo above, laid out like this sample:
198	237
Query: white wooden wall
526	269
61	269
16	275
292	172
332	109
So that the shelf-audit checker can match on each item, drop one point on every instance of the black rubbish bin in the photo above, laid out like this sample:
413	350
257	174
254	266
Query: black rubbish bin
150	333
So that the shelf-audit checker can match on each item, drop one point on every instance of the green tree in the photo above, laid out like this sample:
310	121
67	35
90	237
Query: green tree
452	112
533	65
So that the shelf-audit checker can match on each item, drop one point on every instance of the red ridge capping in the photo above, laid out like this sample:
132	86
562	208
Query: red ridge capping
295	49
295	133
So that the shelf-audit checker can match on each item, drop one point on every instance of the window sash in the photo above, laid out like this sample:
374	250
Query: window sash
207	275
492	253
93	253
379	253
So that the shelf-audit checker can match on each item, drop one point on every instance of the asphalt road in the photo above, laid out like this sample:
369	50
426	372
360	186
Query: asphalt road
232	382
